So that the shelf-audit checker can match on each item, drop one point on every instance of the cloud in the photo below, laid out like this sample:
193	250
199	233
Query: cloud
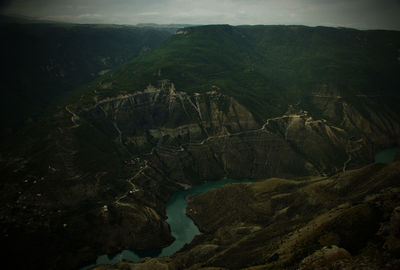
149	13
350	13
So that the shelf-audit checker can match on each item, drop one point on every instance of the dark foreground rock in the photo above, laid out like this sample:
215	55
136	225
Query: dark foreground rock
347	221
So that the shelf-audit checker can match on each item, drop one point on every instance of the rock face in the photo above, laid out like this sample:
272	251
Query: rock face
189	134
390	231
278	222
347	221
165	117
325	257
132	151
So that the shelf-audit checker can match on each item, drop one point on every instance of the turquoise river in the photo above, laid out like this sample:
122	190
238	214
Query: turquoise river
183	228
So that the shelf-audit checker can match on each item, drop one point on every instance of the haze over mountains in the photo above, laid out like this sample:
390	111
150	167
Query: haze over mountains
104	123
360	14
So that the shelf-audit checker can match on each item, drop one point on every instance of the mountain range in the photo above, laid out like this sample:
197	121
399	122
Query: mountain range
120	118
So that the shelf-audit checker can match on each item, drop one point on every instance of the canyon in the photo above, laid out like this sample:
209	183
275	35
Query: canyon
93	175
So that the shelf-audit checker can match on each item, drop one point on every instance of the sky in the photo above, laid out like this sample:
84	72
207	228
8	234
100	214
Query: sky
360	14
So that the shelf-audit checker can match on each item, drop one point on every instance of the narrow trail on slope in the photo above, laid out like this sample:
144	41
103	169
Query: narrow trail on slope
351	151
134	188
74	117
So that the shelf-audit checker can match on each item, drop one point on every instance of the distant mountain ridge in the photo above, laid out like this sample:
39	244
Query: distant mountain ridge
170	25
269	67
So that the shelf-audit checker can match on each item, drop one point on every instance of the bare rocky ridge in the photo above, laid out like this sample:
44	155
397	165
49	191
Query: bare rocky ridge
99	180
173	125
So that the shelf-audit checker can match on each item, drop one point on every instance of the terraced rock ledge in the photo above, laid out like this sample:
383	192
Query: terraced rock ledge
347	221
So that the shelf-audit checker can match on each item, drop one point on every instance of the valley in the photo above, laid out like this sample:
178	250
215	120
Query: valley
303	110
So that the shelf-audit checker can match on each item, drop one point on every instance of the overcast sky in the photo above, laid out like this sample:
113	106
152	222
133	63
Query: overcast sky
362	14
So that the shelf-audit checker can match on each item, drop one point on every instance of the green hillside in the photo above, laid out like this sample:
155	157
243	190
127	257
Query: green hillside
268	67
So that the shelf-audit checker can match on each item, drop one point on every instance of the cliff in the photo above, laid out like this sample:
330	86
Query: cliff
294	224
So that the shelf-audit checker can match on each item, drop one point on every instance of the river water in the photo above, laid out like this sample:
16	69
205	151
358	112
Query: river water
183	228
387	155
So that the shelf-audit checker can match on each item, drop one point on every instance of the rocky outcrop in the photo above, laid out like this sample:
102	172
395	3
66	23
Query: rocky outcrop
325	258
340	222
165	117
130	152
187	134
